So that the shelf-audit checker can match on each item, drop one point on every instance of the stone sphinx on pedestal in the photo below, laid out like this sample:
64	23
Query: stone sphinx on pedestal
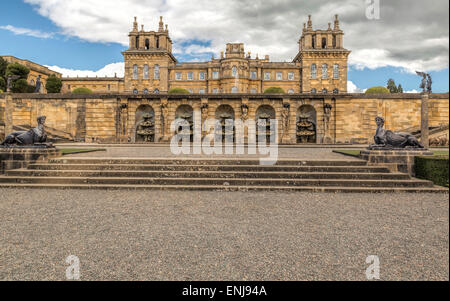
33	137
386	139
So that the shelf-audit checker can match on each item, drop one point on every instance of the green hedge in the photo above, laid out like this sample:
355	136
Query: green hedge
377	90
274	90
178	91
433	168
82	90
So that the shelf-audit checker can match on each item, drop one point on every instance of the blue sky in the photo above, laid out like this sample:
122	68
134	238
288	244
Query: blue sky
39	33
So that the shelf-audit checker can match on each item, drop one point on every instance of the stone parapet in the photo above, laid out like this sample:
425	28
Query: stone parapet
397	160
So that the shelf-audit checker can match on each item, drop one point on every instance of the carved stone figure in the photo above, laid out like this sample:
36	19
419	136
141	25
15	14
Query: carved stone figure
165	118
244	109
285	119
426	82
30	137
204	112
38	85
429	83
389	139
146	128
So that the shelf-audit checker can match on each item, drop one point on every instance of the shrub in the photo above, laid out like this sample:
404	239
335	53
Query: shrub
17	69
1	91
433	168
82	90
178	91
274	90
20	86
2	83
377	90
54	84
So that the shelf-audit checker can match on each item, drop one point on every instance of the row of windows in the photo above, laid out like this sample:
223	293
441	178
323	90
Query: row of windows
215	75
215	91
324	71
324	91
156	72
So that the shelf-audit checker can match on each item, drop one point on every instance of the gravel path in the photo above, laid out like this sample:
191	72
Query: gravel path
169	235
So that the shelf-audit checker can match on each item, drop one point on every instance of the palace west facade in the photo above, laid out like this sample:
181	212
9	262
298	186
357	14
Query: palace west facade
150	67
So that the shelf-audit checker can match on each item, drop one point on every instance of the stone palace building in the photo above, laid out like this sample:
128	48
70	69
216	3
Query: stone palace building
139	108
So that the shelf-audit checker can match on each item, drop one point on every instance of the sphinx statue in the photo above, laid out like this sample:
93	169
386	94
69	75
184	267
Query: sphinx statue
28	138
389	139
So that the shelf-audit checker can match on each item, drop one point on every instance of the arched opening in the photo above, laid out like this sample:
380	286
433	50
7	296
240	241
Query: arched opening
324	43
225	130
147	44
264	115
137	42
306	124
185	112
157	42
145	124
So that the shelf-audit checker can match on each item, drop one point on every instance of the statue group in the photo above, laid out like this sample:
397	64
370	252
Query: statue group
386	139
35	136
426	82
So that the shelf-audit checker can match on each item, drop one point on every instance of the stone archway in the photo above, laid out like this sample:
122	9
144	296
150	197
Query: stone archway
306	124
145	124
223	113
266	113
185	112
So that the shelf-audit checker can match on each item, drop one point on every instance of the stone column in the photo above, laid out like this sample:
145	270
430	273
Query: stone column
424	120
9	108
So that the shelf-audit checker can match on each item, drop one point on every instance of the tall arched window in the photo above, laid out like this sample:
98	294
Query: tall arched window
335	71
137	42
324	43
324	71
324	91
147	44
156	73
313	91
145	71
313	71
234	70
157	42
135	91
135	72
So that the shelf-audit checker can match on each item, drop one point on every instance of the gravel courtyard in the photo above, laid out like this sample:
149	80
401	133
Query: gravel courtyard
169	235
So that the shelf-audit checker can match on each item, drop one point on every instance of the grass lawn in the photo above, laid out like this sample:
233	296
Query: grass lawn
355	152
70	151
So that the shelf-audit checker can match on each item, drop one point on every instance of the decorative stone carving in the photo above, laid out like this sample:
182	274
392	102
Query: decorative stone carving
426	82
386	139
36	136
146	129
285	119
244	109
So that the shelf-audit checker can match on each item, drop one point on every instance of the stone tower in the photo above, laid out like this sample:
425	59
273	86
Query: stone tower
148	59
323	59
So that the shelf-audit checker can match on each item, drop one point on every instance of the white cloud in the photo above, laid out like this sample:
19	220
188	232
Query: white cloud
109	70
352	88
408	35
27	32
412	91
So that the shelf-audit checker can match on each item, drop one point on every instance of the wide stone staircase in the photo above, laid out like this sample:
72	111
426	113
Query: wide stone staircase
214	174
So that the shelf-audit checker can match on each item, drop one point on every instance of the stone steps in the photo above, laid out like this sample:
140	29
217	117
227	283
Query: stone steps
206	174
213	174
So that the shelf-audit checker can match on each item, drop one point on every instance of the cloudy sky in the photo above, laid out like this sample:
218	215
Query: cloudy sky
86	37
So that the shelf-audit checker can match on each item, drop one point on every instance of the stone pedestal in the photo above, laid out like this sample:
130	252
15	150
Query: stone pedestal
15	157
424	129
397	160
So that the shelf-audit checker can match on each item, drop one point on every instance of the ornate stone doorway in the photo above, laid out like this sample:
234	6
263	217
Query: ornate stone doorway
306	126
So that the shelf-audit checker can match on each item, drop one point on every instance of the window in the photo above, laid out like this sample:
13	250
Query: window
234	71
178	76
215	75
253	75
201	76
279	76
313	71
135	72
68	87
145	71
253	90
147	44
135	91
324	91
324	43
313	91
156	91
201	91
267	76
190	76
324	71
335	91
291	91
109	87
234	90
215	90
335	71
190	91
145	91
291	75
156	73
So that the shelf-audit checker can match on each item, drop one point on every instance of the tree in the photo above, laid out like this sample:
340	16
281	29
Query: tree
20	86
17	69
82	90
2	84
391	86
178	91
400	89
274	90
377	90
54	84
3	65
